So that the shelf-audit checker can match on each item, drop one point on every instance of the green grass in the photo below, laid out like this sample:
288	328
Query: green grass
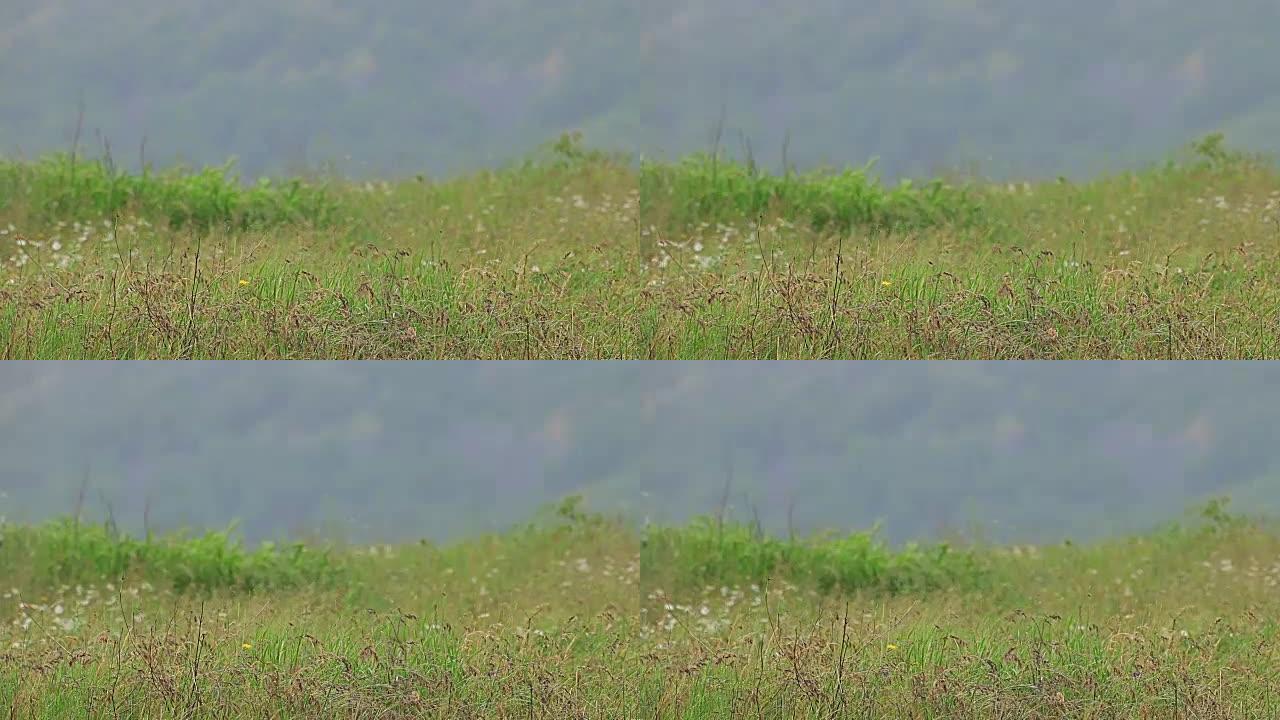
68	551
62	186
704	188
569	616
576	254
711	552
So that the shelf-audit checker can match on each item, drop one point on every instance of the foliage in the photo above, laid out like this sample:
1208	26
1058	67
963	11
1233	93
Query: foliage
63	187
66	551
709	552
709	189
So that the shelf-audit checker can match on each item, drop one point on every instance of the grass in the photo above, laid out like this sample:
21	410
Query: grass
60	186
570	617
704	189
708	552
576	254
70	552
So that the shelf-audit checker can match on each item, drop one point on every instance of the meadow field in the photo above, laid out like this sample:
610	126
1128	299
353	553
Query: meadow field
577	615
577	253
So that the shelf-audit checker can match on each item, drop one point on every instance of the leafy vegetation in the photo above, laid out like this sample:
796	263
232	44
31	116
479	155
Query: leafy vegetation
709	189
568	616
712	552
68	551
62	186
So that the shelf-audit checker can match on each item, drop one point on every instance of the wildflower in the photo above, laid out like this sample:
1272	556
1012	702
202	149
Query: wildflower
244	282
890	646
886	283
246	646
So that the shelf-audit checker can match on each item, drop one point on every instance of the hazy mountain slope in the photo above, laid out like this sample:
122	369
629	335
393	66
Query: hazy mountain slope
1032	86
398	86
1022	88
392	451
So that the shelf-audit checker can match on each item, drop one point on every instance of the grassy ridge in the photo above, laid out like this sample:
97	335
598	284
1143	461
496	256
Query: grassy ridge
576	254
570	617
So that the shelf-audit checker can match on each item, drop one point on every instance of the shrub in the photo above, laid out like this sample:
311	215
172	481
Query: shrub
64	551
702	188
708	552
58	187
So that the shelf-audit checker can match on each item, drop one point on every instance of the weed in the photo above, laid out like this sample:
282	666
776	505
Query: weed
62	187
707	189
710	552
67	551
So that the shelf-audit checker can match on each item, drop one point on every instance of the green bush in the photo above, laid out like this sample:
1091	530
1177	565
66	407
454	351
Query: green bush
702	188
60	187
707	552
64	551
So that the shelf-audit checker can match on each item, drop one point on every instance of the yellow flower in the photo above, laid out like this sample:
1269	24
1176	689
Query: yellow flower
244	282
886	283
247	646
890	646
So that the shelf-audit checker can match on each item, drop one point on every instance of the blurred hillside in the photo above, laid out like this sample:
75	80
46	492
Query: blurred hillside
403	87
1028	450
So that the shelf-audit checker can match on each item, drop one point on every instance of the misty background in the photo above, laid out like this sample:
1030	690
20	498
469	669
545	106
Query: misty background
1006	87
1025	451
